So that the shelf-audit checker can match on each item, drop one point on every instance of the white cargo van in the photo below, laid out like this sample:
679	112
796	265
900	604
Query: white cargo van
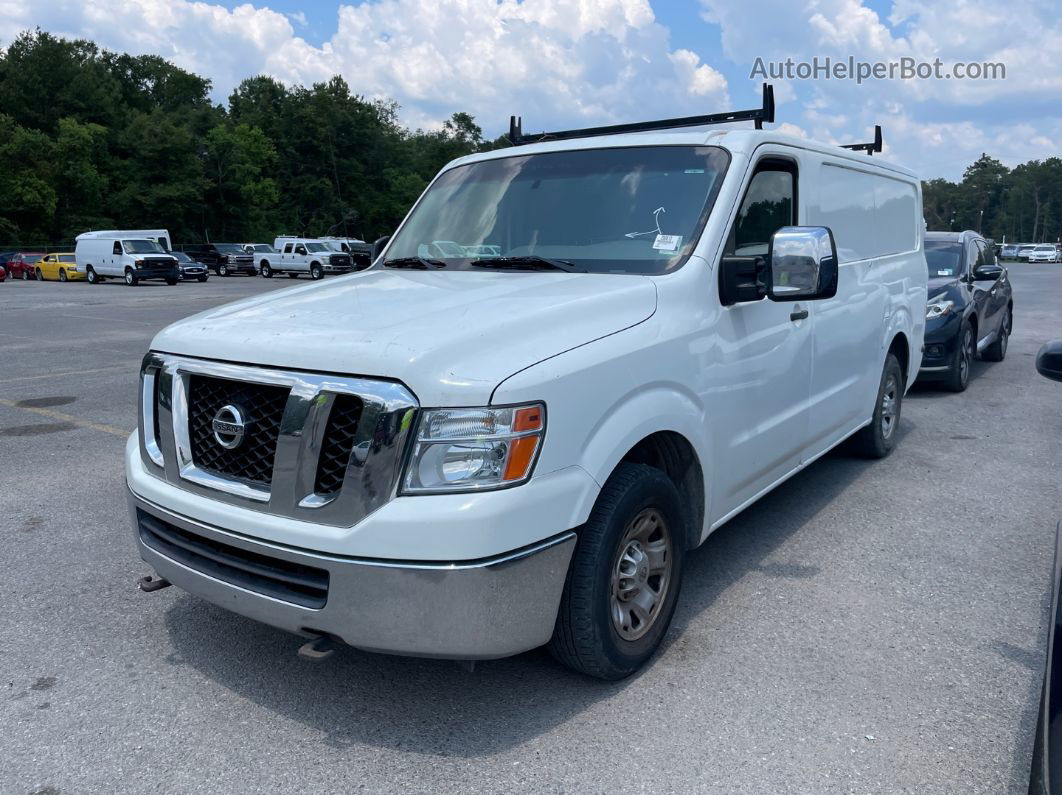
470	456
133	255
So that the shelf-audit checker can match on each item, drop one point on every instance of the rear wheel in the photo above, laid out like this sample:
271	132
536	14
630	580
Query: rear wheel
625	575
959	375
91	276
62	274
130	277
316	271
998	349
879	438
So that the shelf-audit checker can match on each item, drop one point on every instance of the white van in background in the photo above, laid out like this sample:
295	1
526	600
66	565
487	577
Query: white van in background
132	255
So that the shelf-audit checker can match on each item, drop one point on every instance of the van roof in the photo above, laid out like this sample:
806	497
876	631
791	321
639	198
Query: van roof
737	141
107	234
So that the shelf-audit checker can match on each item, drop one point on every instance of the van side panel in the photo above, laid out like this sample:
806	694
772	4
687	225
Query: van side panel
875	220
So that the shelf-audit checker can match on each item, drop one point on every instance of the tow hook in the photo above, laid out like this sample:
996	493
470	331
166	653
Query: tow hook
152	583
320	648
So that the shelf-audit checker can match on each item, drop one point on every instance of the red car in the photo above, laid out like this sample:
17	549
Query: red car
23	264
3	273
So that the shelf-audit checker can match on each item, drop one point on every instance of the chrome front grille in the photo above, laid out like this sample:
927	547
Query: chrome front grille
315	447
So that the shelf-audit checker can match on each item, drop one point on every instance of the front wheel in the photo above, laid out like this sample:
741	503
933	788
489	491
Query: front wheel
62	275
203	278
171	281
25	275
223	270
959	375
265	270
879	438
625	575
316	272
130	277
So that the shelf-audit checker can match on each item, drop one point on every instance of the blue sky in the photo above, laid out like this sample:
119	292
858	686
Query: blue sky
579	62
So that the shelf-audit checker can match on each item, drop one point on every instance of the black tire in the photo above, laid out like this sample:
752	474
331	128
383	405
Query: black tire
959	375
91	276
878	439
292	275
202	278
171	281
38	276
130	278
25	275
316	271
997	351
265	270
223	270
62	274
586	638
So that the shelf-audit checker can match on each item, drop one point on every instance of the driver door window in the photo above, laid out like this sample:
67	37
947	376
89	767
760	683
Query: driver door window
769	204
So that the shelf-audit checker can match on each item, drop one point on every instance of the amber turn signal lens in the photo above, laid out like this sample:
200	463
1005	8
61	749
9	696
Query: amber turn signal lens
529	419
521	454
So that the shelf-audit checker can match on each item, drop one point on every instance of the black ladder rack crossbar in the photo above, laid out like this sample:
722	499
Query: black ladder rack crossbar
869	148
765	113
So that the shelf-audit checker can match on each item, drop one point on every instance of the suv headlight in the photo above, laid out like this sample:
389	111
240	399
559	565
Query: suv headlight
474	449
937	307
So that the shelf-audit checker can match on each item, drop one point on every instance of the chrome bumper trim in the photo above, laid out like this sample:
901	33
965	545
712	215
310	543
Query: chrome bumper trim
480	609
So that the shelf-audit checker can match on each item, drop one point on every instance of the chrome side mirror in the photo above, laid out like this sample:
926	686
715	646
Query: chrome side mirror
802	264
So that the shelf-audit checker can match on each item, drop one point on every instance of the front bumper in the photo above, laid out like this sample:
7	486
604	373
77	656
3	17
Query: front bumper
480	609
941	342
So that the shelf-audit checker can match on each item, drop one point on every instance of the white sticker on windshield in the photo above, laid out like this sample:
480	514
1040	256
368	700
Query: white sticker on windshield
667	242
943	273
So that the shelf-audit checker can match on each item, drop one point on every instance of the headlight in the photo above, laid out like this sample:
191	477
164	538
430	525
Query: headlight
938	307
138	263
475	449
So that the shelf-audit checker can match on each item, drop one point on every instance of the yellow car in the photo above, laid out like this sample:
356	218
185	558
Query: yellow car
61	267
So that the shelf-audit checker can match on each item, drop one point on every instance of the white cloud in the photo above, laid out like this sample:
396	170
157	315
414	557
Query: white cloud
555	62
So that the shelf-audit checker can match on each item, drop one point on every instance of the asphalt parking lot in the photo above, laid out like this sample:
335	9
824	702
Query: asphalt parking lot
867	627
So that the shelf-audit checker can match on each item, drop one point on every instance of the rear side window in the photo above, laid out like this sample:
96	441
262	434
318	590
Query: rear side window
66	258
287	248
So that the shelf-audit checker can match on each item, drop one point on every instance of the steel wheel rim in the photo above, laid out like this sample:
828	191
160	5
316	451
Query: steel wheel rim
890	406
641	575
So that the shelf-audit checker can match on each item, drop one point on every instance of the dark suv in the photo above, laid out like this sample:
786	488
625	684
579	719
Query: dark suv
970	310
223	258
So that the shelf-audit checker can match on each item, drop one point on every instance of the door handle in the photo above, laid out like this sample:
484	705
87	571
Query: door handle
798	314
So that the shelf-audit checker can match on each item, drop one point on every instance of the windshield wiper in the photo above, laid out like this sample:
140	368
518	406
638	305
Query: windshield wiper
527	262
418	263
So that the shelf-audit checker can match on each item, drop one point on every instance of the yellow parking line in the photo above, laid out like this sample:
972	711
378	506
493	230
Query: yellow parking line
60	374
58	415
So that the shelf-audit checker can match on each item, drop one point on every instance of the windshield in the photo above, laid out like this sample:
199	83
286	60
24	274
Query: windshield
229	248
624	210
268	249
943	258
316	247
1026	248
32	257
142	247
1044	248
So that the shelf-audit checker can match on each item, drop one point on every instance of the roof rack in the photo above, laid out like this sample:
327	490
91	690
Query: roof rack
869	148
765	113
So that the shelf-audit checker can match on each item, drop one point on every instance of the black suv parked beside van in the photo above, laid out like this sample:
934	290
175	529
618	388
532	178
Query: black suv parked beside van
223	258
970	311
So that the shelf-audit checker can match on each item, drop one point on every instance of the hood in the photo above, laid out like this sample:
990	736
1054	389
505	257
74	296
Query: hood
450	337
938	283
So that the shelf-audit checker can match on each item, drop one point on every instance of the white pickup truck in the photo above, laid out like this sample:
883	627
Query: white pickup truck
468	457
294	255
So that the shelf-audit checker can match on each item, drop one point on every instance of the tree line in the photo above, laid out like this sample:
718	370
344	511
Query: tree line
91	139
